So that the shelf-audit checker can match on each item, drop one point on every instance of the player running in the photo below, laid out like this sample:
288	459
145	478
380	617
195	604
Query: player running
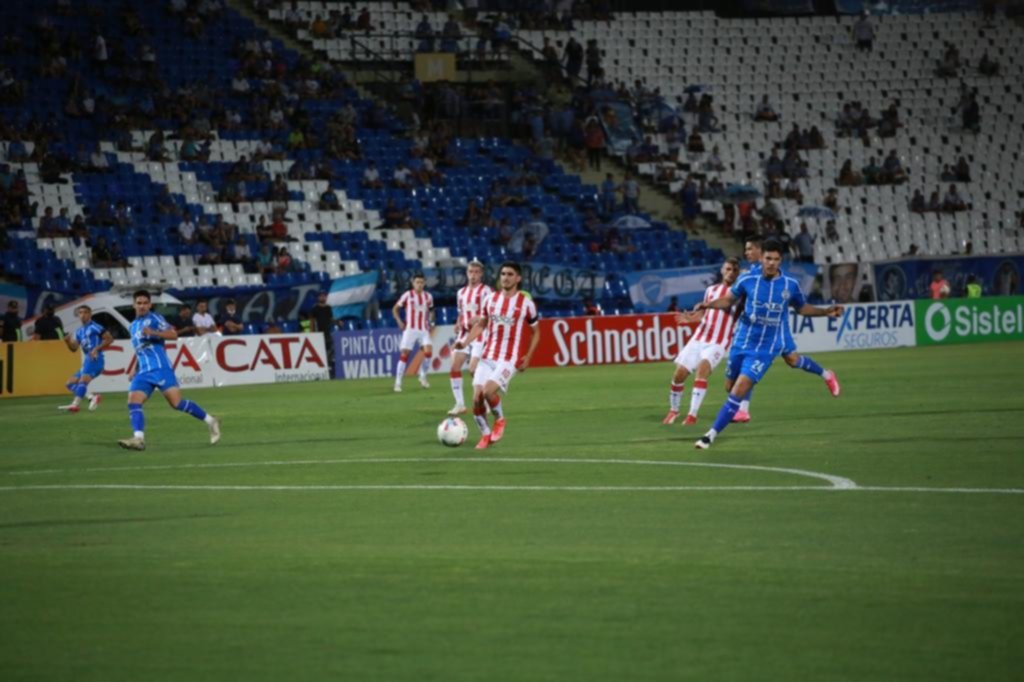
92	339
705	349
419	320
152	370
753	251
471	299
505	314
759	339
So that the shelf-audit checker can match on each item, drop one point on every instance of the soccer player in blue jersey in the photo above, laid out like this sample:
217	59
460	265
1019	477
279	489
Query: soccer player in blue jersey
92	339
759	338
753	251
153	370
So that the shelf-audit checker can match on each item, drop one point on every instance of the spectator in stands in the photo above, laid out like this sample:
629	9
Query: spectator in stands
11	323
552	63
402	177
395	217
831	200
593	56
371	177
187	230
871	172
155	150
949	65
987	67
971	116
278	228
265	259
793	139
765	112
947	174
573	59
934	202
707	122
831	233
917	202
630	189
695	143
594	140
329	201
793	191
803	245
203	321
607	197
714	161
890	121
816	139
773	166
864	32
278	189
691	201
183	322
239	252
425	34
283	262
48	224
962	170
953	202
229	321
79	230
450	35
792	165
691	104
892	170
973	289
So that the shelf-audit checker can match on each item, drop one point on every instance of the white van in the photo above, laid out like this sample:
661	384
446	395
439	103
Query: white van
111	309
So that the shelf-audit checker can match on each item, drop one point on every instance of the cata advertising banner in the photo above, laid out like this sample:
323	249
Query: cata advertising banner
215	360
970	320
862	326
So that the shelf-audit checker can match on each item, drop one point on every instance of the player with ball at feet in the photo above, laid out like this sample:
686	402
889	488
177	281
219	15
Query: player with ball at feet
760	335
505	315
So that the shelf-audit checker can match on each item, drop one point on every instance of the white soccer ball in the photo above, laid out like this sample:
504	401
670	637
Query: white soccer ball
452	432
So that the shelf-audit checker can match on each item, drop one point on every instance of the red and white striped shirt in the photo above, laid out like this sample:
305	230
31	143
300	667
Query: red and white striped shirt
417	310
506	318
471	303
718	325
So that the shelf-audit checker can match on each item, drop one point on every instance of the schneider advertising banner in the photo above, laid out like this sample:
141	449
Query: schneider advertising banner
970	320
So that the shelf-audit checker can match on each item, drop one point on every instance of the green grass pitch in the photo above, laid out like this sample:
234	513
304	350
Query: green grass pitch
355	568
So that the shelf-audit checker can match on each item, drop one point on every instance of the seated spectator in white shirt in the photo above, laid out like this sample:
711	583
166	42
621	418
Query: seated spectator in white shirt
402	176
371	177
203	321
187	230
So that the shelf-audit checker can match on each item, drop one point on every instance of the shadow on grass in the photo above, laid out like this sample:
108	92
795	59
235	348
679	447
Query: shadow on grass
53	523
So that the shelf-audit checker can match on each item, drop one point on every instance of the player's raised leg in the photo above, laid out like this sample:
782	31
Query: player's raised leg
726	413
174	399
797	361
78	390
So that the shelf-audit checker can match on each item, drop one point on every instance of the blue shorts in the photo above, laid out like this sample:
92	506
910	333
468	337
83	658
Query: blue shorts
90	367
788	342
161	379
753	365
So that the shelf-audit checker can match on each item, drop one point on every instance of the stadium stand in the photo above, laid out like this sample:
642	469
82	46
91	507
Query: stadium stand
809	69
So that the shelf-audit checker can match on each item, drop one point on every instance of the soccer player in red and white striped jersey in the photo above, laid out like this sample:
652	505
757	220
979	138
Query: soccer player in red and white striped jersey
705	349
506	315
419	320
471	299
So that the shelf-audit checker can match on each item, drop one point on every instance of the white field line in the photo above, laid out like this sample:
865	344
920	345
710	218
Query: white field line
835	481
512	488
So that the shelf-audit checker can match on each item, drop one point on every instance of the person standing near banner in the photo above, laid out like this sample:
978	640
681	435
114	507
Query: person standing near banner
322	318
419	320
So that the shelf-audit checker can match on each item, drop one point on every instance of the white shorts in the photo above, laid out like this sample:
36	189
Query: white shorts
476	349
695	351
498	371
410	337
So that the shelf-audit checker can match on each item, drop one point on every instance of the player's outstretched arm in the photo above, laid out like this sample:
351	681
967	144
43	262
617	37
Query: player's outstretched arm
809	310
688	316
395	312
70	342
169	334
476	328
723	303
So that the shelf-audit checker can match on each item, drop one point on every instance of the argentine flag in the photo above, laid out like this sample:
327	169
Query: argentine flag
349	295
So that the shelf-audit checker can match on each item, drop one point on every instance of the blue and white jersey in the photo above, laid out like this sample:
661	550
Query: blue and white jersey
90	337
762	325
149	350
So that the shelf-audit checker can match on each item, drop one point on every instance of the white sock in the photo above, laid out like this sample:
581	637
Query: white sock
675	395
457	391
697	396
744	406
399	372
826	375
209	418
90	396
710	435
75	401
481	421
140	435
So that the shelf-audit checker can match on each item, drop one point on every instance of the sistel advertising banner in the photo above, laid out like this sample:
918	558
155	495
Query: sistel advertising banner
970	320
862	326
36	368
216	360
373	353
607	340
